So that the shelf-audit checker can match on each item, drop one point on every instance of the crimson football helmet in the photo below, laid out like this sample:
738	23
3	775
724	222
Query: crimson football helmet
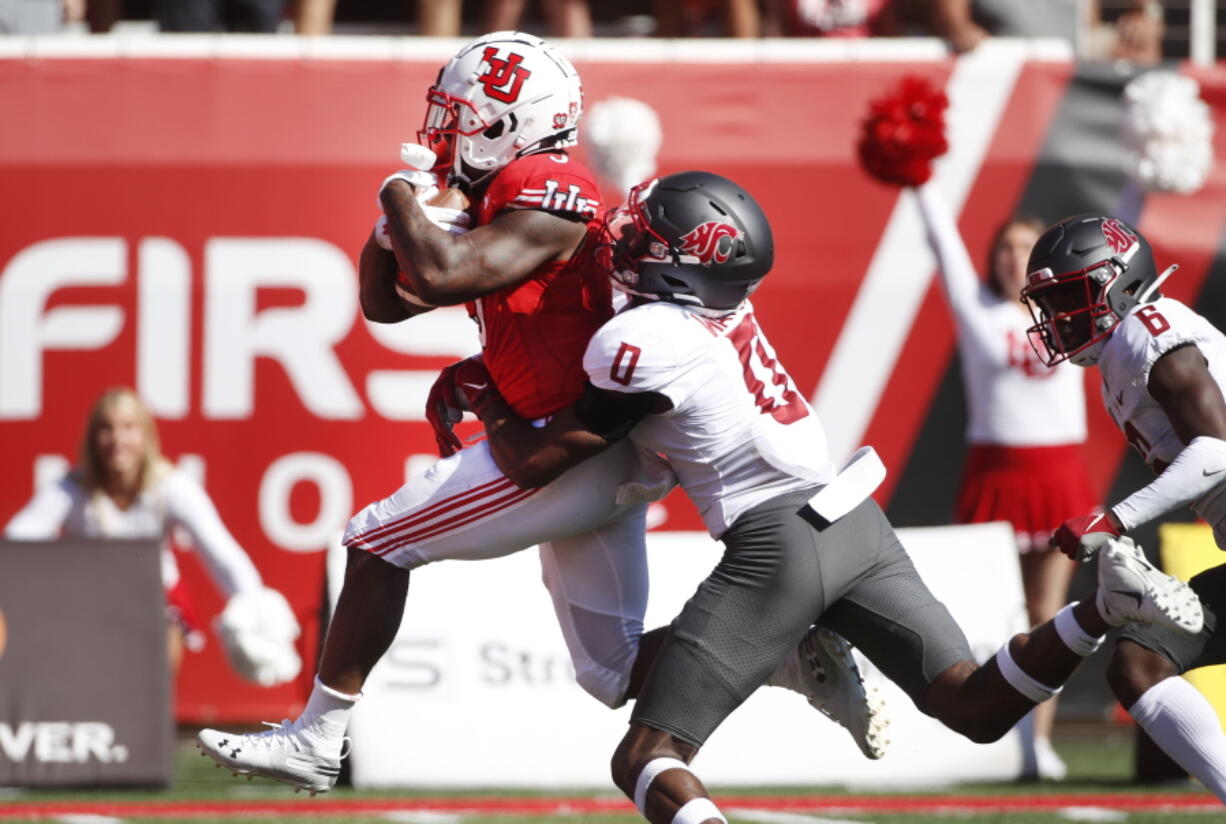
504	95
1085	274
693	238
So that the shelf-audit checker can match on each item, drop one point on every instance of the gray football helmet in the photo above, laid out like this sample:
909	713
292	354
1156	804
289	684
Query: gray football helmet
694	238
1084	275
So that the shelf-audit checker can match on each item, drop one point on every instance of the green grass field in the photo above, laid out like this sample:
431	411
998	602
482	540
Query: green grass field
1099	789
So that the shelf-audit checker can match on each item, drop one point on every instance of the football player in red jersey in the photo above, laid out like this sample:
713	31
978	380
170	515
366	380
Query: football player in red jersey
500	117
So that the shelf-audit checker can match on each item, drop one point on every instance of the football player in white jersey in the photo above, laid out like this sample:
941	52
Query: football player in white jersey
1093	290
686	372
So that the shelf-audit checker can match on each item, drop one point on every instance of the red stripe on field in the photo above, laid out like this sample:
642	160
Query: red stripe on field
575	805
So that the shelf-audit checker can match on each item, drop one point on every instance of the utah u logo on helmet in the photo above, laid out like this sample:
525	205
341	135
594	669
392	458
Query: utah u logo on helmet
710	242
504	78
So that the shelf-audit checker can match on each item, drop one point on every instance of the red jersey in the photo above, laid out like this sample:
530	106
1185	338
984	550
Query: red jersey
534	334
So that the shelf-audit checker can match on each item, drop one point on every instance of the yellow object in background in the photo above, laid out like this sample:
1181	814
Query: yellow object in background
1185	550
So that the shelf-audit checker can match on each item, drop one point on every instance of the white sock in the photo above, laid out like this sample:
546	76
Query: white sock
1183	723
327	710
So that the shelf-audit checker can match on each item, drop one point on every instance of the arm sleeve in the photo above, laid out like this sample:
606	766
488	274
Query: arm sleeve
958	279
1199	467
42	519
189	507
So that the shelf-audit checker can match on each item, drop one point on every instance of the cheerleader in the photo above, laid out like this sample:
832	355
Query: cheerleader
122	487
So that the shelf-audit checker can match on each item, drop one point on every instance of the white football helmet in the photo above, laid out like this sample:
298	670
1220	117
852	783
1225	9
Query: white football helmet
504	95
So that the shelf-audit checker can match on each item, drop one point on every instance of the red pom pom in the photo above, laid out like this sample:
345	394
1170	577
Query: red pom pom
904	132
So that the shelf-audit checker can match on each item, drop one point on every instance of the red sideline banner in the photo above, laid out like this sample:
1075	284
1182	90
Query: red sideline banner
184	216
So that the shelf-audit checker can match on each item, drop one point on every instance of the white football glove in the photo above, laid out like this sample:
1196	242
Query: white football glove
425	184
449	220
454	221
257	630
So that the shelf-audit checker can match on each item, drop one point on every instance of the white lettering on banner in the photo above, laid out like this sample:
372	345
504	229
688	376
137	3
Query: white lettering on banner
163	327
335	500
27	328
401	394
61	742
300	339
414	663
410	666
502	665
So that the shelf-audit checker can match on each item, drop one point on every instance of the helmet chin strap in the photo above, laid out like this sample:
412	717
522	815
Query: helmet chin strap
1158	281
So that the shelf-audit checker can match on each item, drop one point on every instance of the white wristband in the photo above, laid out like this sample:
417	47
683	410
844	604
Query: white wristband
1198	468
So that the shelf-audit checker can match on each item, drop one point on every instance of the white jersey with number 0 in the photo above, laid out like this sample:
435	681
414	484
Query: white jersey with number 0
739	432
1141	338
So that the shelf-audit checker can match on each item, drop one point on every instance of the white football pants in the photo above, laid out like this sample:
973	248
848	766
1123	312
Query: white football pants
590	524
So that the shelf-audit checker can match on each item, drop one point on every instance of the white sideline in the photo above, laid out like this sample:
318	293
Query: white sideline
774	817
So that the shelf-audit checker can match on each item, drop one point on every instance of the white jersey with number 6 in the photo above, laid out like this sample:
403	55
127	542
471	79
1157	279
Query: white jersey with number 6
1142	337
739	432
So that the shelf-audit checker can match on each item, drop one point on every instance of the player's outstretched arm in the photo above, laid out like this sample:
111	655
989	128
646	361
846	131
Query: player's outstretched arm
1182	385
377	285
446	269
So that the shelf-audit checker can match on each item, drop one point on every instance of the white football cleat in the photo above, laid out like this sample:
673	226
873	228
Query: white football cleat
822	669
1130	588
287	753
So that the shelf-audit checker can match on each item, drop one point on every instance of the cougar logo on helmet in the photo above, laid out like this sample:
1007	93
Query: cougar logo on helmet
1118	236
504	78
710	242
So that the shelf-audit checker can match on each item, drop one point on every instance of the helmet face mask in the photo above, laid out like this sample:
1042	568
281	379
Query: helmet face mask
1070	318
693	238
628	242
1086	273
503	96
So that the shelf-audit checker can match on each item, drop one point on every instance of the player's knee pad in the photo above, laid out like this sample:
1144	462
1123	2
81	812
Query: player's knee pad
1022	682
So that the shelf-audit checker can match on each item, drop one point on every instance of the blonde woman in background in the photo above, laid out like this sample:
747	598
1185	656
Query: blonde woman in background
123	488
1026	422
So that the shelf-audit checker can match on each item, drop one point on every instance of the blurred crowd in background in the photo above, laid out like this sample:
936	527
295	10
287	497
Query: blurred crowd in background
1141	31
